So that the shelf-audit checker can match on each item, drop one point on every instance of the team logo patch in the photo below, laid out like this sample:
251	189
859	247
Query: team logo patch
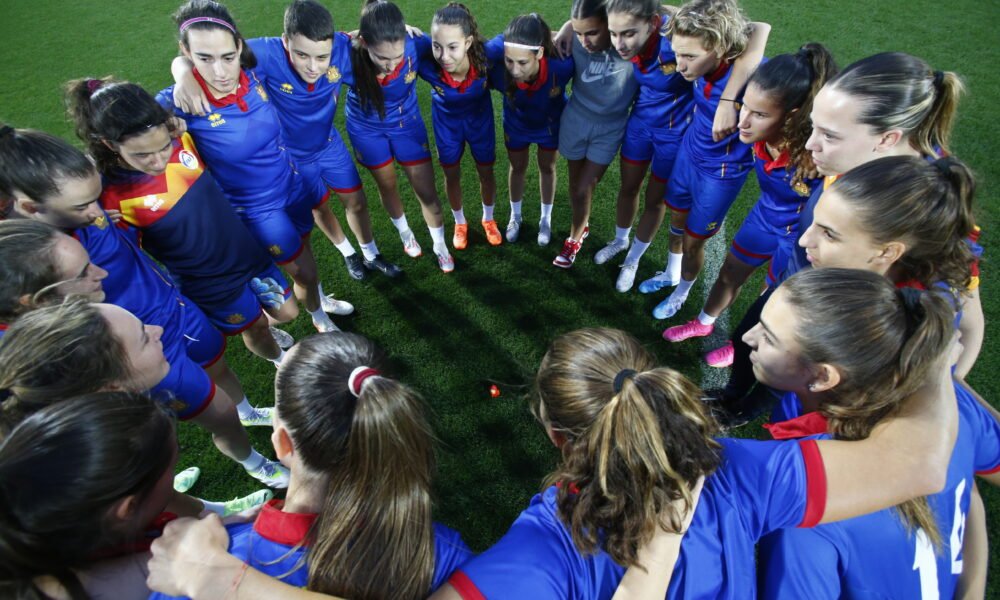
439	90
555	91
101	222
333	74
216	119
801	189
668	68
262	92
153	202
410	76
177	405
712	225
287	88
188	159
235	319
274	249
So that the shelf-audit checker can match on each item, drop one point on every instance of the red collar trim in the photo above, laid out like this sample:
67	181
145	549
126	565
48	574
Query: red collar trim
463	85
309	86
650	50
289	529
829	180
714	76
387	79
540	79
760	149
808	424
911	283
234	98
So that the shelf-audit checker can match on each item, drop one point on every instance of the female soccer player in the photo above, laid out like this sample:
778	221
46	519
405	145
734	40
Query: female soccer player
55	183
822	334
774	119
457	69
384	122
241	143
639	30
84	489
39	264
302	71
357	518
533	82
884	105
634	438
159	185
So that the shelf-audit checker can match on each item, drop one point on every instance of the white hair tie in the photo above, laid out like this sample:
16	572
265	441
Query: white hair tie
357	379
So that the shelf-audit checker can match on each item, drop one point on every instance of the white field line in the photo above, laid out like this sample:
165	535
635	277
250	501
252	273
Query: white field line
715	253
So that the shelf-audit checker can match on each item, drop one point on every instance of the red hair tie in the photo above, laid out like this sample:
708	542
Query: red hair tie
357	379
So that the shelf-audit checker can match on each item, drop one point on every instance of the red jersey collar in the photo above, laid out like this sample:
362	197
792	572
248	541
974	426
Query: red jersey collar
234	98
808	424
719	73
309	86
387	79
649	50
463	85
540	79
289	529
760	149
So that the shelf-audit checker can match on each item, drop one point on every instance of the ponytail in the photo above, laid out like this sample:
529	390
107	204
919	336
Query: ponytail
934	132
458	15
636	441
381	21
374	536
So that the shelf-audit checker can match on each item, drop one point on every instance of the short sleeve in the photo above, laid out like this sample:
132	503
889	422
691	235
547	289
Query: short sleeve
342	58
265	63
450	552
798	563
985	431
166	99
422	43
494	50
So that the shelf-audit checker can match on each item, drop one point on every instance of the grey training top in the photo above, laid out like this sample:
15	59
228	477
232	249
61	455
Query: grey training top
603	84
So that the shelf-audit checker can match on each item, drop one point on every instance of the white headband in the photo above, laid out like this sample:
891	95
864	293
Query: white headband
521	46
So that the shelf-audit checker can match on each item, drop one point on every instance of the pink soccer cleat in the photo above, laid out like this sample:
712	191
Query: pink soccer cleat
691	329
721	358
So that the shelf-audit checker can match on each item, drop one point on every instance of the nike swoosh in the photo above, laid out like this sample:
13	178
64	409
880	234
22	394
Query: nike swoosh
588	77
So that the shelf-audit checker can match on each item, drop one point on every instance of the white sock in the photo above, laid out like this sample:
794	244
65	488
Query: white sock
345	247
217	507
370	250
253	461
706	319
280	357
621	233
244	408
488	212
437	235
319	287
400	224
546	213
459	216
515	208
674	265
636	251
318	315
441	249
682	289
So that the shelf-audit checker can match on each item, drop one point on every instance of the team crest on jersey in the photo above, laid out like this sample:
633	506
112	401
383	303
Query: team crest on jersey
274	249
235	319
410	76
439	90
668	68
287	88
801	189
216	119
712	225
177	405
262	92
188	159
555	91
333	74
101	222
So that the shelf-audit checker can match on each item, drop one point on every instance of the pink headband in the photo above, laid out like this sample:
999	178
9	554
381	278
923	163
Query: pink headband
190	22
357	379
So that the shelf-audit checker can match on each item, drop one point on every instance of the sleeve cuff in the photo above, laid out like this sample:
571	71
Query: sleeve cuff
815	483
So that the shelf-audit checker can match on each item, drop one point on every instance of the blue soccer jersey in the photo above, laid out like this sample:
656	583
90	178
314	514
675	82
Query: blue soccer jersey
759	487
875	556
727	158
399	91
665	98
275	544
531	111
461	111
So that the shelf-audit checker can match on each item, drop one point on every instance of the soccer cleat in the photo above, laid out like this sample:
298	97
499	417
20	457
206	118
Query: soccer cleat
567	257
411	246
544	233
492	233
626	277
335	307
461	238
259	417
656	283
513	228
721	358
691	329
446	262
670	306
383	266
254	500
611	250
186	479
355	266
272	474
324	324
282	338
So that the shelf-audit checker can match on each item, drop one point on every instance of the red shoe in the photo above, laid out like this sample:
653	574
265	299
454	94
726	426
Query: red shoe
567	257
492	233
461	238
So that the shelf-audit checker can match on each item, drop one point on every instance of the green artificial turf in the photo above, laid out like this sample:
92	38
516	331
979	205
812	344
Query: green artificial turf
489	322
